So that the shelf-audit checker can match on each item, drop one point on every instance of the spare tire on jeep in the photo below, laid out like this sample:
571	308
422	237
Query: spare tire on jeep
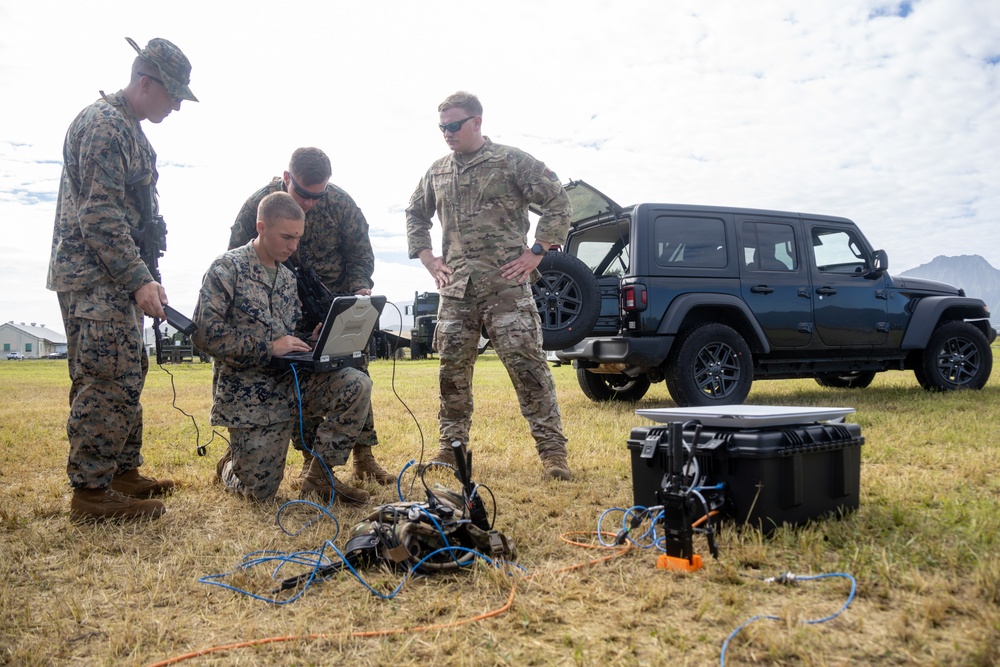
568	299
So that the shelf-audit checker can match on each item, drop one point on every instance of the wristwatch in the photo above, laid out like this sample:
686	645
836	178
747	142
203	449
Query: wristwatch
537	249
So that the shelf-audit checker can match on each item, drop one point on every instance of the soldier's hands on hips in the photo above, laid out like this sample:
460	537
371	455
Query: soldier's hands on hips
287	344
150	298
436	267
520	269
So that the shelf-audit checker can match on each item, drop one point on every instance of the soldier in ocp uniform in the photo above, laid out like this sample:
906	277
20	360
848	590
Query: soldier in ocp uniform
336	246
248	311
105	287
480	193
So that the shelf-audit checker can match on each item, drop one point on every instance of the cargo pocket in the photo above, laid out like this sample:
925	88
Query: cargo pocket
105	336
447	335
519	329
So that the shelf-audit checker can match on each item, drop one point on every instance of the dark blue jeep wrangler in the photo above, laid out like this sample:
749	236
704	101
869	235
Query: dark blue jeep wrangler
710	299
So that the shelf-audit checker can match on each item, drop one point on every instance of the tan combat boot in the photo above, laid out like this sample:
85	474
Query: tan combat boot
445	454
316	482
133	484
101	504
366	467
555	464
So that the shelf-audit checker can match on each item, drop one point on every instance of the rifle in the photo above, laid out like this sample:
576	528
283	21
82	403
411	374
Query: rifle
150	235
312	293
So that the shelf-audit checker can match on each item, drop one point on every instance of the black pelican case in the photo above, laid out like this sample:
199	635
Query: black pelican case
776	475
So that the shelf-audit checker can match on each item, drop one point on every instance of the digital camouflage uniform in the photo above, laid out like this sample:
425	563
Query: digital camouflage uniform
482	204
239	313
335	244
95	269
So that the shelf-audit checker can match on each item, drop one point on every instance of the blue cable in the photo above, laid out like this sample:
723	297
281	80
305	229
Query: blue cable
318	559
302	437
321	511
600	522
399	479
413	570
649	534
790	579
440	530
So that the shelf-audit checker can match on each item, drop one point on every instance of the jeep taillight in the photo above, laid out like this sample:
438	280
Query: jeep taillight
633	298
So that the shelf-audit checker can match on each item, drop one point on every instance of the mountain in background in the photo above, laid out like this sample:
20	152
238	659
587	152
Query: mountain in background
970	272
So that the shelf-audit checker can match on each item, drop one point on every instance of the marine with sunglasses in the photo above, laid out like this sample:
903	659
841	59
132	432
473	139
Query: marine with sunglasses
480	193
337	247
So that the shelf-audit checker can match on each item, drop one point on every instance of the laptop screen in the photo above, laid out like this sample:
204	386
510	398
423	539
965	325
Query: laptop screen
349	326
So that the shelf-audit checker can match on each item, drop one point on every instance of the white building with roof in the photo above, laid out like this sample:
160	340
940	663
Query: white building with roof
34	341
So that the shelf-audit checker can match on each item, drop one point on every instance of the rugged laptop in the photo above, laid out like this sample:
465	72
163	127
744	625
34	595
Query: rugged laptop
343	338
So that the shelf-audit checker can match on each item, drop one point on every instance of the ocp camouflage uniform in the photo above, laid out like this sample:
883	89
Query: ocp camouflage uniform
482	203
335	244
95	269
239	313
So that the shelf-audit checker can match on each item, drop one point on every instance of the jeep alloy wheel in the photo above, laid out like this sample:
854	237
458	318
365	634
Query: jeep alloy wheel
711	365
957	356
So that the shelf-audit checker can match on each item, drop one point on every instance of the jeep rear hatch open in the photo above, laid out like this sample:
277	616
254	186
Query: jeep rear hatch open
589	204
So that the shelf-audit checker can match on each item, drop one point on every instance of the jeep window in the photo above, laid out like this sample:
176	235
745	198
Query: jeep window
690	242
837	251
769	246
604	249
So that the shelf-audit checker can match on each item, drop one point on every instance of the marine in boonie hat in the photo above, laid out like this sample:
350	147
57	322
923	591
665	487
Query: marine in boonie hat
172	65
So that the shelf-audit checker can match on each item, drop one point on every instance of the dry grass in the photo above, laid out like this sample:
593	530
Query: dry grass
923	546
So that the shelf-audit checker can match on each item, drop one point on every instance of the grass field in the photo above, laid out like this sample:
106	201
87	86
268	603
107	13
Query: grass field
923	547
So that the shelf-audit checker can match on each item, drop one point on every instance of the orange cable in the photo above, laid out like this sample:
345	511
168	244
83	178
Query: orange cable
383	633
341	635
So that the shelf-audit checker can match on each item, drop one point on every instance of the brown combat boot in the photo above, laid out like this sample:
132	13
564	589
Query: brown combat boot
316	482
445	454
133	484
366	467
555	464
101	504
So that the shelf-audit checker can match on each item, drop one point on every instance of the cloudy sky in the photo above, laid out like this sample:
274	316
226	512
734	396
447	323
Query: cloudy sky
886	112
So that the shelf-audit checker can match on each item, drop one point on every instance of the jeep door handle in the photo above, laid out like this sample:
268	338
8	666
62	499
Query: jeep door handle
825	291
761	289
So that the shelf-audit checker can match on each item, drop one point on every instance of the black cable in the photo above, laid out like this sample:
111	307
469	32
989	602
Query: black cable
392	384
201	449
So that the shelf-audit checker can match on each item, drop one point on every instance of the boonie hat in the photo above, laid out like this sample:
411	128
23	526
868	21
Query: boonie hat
173	66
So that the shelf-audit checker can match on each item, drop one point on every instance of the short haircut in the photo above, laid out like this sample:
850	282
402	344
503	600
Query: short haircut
140	67
279	206
462	100
310	166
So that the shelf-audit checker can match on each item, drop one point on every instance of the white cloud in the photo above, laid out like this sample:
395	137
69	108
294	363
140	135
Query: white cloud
838	107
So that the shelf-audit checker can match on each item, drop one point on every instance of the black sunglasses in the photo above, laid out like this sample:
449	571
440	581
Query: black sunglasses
455	126
302	192
159	81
